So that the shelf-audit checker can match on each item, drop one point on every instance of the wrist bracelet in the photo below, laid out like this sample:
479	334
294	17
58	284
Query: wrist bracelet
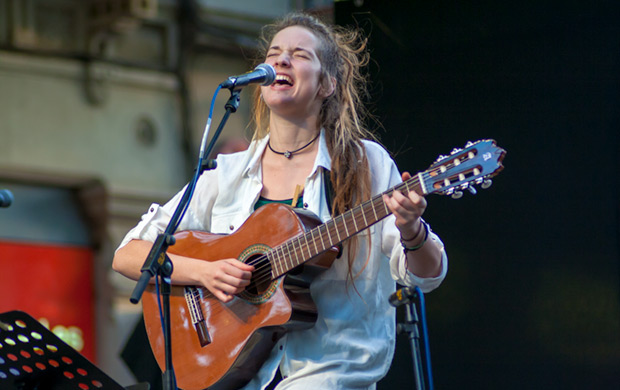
420	245
416	235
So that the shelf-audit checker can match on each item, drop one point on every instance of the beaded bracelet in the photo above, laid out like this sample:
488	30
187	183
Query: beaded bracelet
420	245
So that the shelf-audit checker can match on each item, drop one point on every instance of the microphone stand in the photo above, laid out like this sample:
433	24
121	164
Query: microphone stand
410	326
158	264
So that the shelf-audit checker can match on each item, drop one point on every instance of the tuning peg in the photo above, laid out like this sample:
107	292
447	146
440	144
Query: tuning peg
468	144
457	194
441	157
455	150
486	184
472	190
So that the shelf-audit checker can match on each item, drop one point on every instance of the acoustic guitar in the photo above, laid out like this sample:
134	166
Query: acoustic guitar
218	345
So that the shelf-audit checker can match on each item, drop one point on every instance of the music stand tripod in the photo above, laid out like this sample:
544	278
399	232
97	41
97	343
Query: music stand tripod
34	358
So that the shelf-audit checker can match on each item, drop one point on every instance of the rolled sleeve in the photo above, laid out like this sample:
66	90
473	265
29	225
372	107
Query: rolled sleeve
148	228
398	265
156	219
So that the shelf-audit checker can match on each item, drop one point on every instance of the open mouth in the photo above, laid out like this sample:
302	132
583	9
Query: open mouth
283	79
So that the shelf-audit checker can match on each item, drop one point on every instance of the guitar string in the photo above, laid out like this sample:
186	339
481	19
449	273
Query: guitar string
295	247
265	276
265	259
263	272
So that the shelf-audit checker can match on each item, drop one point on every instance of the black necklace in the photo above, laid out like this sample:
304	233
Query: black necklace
290	153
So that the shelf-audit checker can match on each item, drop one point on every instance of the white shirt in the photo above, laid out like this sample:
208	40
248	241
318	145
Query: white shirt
352	343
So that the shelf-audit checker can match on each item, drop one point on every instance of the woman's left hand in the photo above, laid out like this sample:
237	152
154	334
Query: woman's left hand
407	209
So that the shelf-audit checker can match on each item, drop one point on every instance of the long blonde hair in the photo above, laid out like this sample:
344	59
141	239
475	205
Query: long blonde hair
342	53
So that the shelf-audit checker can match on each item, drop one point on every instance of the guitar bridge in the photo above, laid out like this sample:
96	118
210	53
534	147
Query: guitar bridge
195	311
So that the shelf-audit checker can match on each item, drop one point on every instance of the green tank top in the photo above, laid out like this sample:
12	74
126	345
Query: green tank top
263	201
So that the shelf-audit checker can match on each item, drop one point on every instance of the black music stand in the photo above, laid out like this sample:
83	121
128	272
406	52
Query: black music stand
34	358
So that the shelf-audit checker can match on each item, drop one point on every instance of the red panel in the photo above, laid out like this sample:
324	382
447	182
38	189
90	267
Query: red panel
54	285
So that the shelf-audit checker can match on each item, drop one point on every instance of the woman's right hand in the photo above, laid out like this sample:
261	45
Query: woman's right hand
225	278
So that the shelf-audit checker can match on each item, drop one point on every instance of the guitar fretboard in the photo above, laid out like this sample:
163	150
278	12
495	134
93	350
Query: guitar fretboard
302	248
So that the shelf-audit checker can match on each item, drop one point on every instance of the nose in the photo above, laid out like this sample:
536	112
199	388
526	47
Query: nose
283	59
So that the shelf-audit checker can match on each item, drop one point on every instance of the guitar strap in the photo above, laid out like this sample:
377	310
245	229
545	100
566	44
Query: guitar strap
329	189
329	197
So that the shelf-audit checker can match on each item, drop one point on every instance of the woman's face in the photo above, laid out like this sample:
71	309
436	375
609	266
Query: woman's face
297	91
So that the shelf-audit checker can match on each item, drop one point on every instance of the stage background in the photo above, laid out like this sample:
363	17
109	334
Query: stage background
531	299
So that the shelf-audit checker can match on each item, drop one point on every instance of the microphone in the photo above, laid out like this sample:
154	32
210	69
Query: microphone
403	296
6	198
263	74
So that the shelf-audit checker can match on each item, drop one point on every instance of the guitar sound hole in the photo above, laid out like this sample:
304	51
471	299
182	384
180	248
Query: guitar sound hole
258	288
261	286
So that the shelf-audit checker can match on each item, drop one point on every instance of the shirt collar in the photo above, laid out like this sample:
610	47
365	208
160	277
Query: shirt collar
256	150
323	159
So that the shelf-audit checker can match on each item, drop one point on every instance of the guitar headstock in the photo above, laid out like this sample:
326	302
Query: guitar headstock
464	168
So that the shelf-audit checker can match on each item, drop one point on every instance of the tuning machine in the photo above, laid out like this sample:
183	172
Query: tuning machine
456	194
483	183
441	158
486	184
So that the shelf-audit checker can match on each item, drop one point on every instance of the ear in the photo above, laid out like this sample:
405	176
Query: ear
328	87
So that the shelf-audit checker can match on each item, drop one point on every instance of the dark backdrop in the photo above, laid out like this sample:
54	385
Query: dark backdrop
531	299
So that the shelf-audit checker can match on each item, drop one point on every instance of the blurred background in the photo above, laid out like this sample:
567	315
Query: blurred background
103	104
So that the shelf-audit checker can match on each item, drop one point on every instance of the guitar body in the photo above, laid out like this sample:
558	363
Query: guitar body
243	331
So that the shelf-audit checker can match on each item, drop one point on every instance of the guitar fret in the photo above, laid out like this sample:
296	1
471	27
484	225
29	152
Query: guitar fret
314	241
281	251
364	215
331	241
296	252
287	257
278	261
354	223
422	186
300	251
372	203
321	237
336	226
305	236
344	222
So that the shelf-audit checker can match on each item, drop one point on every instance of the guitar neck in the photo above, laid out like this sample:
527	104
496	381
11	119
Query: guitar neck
302	248
462	169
